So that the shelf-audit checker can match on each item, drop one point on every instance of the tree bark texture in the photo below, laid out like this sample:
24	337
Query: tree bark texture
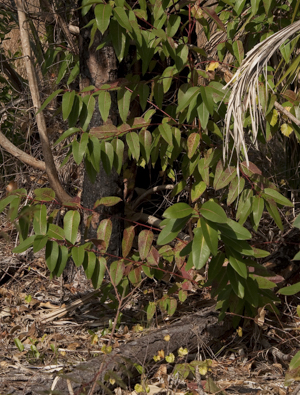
98	67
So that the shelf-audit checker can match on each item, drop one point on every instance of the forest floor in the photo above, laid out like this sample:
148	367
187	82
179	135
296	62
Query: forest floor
49	327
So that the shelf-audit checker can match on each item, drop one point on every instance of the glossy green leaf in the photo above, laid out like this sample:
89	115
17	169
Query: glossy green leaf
263	282
40	219
117	35
145	241
235	282
238	51
116	270
144	91
104	104
223	177
55	232
296	221
104	232
107	201
71	223
290	290
107	156
146	143
102	16
124	96
87	111
257	209
171	230
210	235
203	115
122	18
200	249
235	188
62	261
238	265
240	246
39	243
89	264
244	206
187	97
133	142
273	211
44	194
78	255
166	132
99	272
67	104
24	245
52	254
198	188
178	210
213	212
277	197
207	97
172	306
118	147
233	230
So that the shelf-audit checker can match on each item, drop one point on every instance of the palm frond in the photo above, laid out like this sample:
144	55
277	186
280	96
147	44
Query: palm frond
244	91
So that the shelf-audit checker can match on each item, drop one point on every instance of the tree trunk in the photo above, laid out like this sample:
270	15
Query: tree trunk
98	67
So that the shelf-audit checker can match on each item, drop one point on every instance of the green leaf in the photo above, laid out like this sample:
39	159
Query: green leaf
117	270
210	235
172	306
66	134
133	142
102	16
67	104
238	51
49	99
7	201
44	194
277	197
89	264
19	344
273	211
178	210
104	232
78	255
200	249
167	78
235	282
207	97
117	35
135	276
145	241
213	212
55	232
263	283
233	229
27	243
107	156
104	104
52	254
107	201
118	147
151	310
79	148
71	223
244	207
240	246
203	115
193	143
124	96
235	188
290	290
171	230
254	6
173	24
39	242
296	221
146	142
127	241
238	265
62	261
122	18
223	177
166	132
239	6
40	219
99	272
87	111
186	98
257	210
198	188
143	95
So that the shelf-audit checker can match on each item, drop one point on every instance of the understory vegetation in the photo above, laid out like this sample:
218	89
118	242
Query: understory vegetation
204	139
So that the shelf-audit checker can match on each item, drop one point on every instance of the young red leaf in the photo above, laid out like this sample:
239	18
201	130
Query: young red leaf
128	237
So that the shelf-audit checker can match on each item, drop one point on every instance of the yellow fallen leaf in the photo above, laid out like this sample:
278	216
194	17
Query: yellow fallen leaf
286	130
212	66
274	118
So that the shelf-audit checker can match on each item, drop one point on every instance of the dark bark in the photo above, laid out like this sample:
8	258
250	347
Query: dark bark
98	67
